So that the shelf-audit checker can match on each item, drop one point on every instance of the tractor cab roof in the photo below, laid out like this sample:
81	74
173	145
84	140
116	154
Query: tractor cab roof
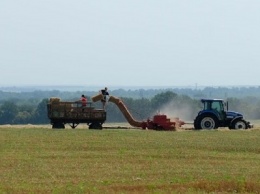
211	100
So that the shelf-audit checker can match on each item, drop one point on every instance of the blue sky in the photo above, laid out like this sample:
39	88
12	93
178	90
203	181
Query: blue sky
130	42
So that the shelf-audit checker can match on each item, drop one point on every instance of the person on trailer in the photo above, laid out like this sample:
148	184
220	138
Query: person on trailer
105	93
83	100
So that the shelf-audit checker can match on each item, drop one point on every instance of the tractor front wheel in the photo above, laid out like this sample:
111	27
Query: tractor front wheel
238	124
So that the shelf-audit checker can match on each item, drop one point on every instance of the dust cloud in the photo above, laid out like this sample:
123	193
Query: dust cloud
176	110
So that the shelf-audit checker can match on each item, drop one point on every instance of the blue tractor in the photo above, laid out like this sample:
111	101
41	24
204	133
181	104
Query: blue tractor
215	114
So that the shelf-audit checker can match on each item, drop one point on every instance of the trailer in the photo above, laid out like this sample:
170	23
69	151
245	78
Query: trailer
74	113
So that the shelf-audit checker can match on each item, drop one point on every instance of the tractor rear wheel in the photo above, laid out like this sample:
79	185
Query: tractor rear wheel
238	124
197	124
206	122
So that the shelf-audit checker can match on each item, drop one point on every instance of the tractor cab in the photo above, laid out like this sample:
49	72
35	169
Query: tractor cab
218	106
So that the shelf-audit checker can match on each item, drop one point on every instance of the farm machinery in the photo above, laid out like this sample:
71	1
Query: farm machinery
73	113
158	121
215	114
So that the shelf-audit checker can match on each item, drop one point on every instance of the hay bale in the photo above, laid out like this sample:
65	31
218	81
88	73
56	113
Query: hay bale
114	100
97	97
54	100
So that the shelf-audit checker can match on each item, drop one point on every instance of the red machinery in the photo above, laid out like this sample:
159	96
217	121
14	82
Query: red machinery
161	122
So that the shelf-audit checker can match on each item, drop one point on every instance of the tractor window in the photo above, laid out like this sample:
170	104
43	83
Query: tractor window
207	105
217	106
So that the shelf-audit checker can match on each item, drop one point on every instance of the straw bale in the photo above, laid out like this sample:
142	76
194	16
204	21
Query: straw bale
97	97
54	100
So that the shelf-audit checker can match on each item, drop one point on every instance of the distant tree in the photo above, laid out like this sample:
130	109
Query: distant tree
22	117
24	113
162	99
143	108
40	114
8	112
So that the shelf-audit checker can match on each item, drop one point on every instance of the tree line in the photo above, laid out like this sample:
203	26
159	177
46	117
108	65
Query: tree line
195	92
34	110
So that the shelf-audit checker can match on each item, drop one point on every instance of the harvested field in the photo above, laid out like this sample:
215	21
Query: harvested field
38	159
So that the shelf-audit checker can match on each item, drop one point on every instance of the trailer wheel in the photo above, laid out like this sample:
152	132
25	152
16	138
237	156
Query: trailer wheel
95	126
58	125
206	122
238	124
